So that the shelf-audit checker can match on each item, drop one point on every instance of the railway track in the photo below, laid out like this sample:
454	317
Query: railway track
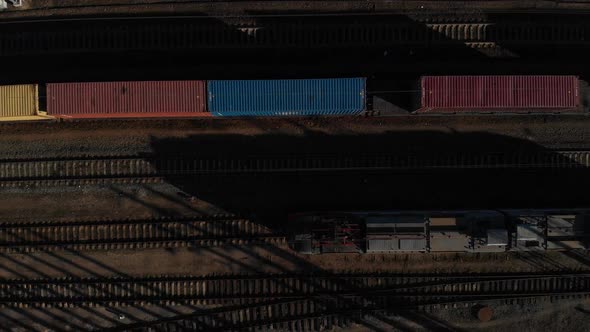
80	182
302	315
12	171
299	315
201	32
133	234
341	291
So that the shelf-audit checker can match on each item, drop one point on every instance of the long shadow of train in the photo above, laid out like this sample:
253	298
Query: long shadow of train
485	178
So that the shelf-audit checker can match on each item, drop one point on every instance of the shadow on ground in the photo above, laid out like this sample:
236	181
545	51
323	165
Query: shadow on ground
502	184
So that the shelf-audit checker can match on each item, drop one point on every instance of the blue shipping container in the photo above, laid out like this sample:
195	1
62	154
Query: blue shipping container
340	96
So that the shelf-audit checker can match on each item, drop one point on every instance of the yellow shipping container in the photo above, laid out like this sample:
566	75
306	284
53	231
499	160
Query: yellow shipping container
19	100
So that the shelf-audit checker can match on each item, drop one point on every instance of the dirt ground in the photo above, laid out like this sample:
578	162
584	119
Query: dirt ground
126	137
269	259
114	201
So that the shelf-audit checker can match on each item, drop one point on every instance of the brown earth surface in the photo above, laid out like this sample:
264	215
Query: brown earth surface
270	259
122	137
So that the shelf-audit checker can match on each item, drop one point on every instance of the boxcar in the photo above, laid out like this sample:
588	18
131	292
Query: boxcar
19	101
500	93
127	99
300	97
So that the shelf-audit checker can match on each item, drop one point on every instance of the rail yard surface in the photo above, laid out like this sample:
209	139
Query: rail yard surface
294	165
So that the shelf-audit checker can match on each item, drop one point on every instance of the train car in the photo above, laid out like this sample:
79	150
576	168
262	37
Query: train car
20	102
500	94
333	233
467	231
291	97
479	231
149	99
394	233
296	97
559	230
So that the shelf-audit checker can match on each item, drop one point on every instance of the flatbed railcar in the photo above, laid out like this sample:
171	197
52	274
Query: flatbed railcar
478	231
290	97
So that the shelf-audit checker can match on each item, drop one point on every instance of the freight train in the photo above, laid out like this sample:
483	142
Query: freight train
290	97
440	231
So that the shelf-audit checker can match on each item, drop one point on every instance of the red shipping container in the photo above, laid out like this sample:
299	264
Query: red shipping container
127	99
504	93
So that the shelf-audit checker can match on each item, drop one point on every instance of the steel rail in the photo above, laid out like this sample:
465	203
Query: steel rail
64	169
385	291
132	234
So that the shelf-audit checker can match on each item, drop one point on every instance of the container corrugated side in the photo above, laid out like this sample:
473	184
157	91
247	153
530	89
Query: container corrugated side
127	99
297	97
19	100
500	92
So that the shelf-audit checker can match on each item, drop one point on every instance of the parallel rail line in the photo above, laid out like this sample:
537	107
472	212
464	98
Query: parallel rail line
301	315
132	234
138	167
80	182
181	33
290	315
383	291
